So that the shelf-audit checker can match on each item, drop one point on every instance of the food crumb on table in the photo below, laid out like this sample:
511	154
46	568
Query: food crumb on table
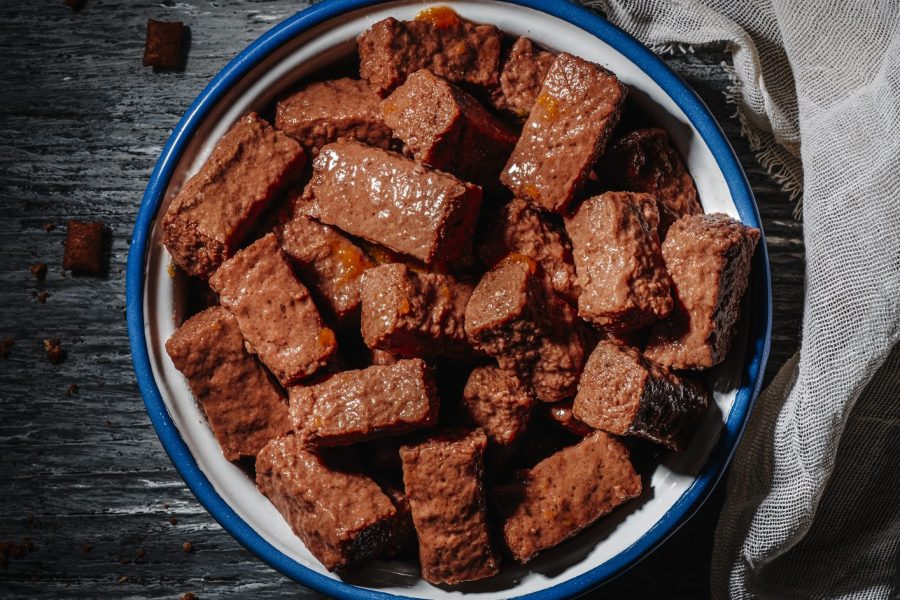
5	344
164	48
53	348
187	547
42	296
39	270
72	389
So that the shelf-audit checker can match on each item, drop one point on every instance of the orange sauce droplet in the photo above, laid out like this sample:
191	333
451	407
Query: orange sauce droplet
403	308
550	106
326	338
442	17
351	262
532	192
515	257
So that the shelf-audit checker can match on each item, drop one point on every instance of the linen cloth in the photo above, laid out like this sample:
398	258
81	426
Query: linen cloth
813	496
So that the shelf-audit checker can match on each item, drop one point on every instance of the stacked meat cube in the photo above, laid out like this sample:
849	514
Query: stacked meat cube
451	295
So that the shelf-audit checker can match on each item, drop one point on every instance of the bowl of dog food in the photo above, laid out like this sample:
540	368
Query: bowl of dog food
441	299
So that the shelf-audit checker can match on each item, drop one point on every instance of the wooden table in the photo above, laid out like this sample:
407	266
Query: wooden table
83	476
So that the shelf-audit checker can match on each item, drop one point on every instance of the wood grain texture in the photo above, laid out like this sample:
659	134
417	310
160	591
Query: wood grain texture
81	125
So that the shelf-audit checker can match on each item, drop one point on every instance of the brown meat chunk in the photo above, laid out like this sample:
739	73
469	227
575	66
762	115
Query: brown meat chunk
621	273
708	258
496	401
245	409
567	130
355	406
448	46
513	317
443	477
561	414
324	111
645	161
447	129
565	493
519	228
275	311
341	515
521	77
216	208
327	261
414	314
402	538
164	48
391	200
623	393
84	247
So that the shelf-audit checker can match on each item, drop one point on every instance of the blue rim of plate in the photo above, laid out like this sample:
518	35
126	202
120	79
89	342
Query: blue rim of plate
693	107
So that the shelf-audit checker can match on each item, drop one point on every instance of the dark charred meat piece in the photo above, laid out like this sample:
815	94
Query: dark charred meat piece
708	258
623	393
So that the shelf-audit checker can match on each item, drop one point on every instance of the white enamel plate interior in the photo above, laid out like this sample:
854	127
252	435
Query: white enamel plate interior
312	52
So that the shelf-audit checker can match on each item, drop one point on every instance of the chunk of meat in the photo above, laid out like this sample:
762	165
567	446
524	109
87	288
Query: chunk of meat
391	200
623	393
567	130
515	318
521	77
709	260
342	516
449	46
209	218
275	311
496	401
621	273
443	477
565	493
645	161
519	228
446	128
325	111
355	406
245	409
414	314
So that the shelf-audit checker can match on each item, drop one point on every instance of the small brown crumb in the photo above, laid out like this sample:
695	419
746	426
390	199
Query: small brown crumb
165	505
108	423
54	349
42	297
10	549
140	553
173	520
124	561
48	227
76	5
187	547
5	344
84	247
122	579
86	548
72	389
164	48
188	596
39	270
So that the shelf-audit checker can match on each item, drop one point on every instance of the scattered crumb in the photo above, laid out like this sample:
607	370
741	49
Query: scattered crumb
165	505
188	596
54	349
140	553
165	45
122	579
76	5
10	549
39	270
87	548
124	561
42	297
173	520
187	547
48	227
72	389
108	423
170	269
5	344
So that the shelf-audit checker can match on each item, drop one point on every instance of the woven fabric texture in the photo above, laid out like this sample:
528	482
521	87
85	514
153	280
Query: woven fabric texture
813	498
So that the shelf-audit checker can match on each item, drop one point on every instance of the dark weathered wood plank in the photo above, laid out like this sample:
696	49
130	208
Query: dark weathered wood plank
81	125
